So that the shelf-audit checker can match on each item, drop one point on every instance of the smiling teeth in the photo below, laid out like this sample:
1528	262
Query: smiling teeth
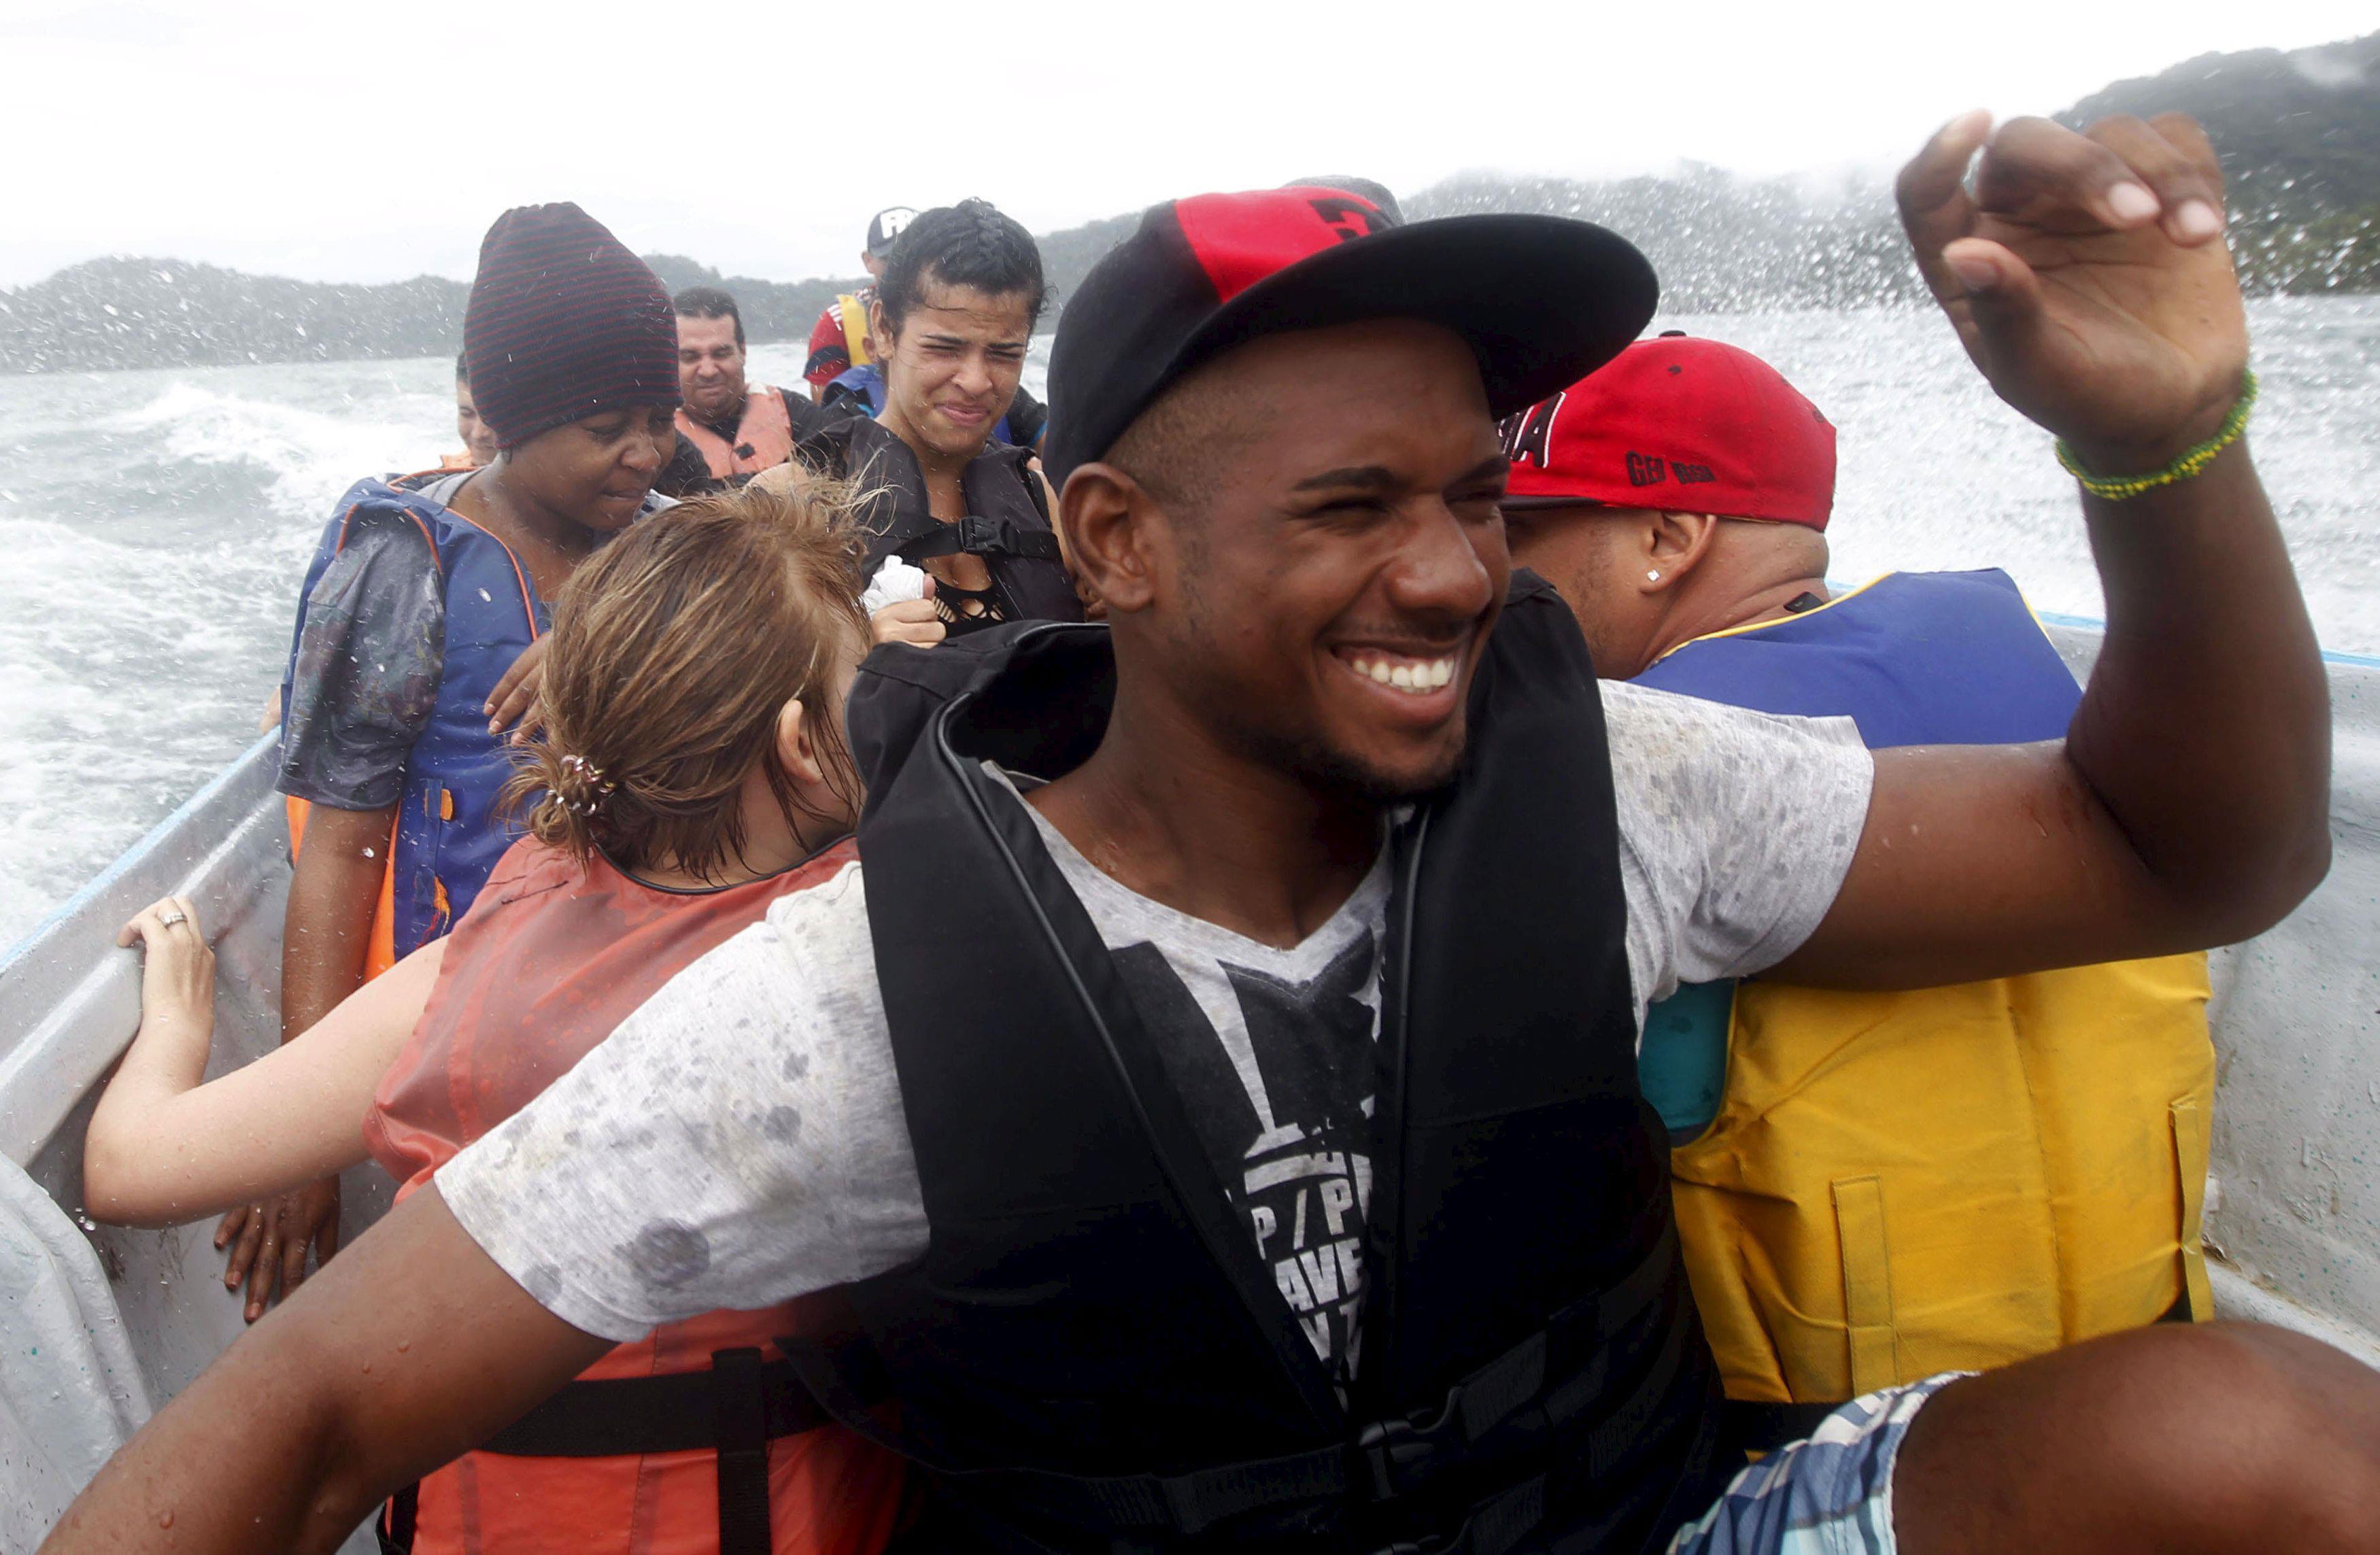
1416	678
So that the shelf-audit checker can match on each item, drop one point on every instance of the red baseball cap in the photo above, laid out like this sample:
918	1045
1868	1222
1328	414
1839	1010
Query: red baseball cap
1682	425
1541	300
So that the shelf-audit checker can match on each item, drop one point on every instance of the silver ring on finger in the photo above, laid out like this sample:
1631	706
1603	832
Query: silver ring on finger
171	918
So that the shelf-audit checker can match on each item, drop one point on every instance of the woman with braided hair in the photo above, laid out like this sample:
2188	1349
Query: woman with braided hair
688	772
953	317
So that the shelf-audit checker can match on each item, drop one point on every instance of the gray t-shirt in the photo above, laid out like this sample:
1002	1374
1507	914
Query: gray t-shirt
740	1140
1272	1049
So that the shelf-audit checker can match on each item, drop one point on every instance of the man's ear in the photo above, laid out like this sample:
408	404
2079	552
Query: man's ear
1106	524
1675	545
795	748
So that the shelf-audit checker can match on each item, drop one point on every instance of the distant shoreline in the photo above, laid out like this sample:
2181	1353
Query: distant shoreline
2299	134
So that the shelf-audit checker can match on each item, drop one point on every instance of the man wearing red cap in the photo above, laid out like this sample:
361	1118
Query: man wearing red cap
1684	433
1213	1084
1870	1187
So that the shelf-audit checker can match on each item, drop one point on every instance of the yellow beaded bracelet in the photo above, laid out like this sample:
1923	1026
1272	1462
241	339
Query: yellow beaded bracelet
2118	488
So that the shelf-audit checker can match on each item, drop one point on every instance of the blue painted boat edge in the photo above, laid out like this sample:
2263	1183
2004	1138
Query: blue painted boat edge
131	856
2093	624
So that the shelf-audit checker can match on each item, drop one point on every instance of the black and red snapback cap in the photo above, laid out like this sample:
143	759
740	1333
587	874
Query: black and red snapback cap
1543	300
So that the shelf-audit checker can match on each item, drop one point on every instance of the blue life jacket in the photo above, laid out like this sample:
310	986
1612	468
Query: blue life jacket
448	836
1915	658
1940	658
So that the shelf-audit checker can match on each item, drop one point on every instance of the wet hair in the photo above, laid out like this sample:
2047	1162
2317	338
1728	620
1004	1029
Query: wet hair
708	303
673	650
462	370
970	244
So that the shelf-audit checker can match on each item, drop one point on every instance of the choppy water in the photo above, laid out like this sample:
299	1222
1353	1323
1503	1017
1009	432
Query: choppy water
154	525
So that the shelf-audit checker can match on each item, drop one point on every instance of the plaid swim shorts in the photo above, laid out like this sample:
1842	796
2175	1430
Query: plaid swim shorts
1828	1494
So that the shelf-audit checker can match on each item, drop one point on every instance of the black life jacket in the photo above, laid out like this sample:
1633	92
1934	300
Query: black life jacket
1007	523
1091	1355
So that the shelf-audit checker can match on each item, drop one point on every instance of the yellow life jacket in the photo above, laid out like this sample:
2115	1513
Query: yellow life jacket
853	306
1899	1183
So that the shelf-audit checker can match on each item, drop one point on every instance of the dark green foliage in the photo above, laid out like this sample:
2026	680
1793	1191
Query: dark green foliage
2299	134
144	312
772	310
2294	130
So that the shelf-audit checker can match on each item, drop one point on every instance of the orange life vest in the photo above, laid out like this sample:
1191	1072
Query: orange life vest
551	958
764	435
380	946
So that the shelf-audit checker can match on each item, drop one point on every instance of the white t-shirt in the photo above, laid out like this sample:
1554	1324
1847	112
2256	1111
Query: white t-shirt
740	1140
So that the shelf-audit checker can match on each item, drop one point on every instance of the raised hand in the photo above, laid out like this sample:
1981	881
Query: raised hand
2087	276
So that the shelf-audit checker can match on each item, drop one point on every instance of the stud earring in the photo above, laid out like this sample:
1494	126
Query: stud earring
1653	578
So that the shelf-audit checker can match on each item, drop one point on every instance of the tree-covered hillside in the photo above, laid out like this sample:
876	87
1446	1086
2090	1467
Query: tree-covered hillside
2298	133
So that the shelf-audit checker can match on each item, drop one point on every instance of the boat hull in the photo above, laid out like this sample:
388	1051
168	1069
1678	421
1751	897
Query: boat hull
2293	1202
69	1004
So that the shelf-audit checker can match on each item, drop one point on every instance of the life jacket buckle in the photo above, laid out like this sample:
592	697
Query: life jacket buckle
1438	1545
1402	1445
979	536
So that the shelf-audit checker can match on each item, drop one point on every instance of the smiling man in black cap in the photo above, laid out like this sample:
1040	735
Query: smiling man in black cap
1260	1164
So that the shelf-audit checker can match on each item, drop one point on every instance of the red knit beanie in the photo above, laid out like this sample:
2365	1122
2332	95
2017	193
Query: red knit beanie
564	323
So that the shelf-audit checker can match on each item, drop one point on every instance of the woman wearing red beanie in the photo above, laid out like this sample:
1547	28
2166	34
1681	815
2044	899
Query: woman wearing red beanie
422	594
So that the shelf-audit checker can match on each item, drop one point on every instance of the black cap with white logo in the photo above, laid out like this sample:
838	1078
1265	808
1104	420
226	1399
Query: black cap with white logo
886	227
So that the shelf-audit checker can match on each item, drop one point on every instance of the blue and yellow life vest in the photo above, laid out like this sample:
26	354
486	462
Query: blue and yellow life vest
448	835
1872	1187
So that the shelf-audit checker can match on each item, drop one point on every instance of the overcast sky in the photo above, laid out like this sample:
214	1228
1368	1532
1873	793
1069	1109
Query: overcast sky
342	141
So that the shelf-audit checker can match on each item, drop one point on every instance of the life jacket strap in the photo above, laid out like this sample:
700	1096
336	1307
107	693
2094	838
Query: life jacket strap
739	1413
1764	1427
1494	1526
1402	1451
1387	1458
1184	1505
983	537
735	1409
681	1412
395	1526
